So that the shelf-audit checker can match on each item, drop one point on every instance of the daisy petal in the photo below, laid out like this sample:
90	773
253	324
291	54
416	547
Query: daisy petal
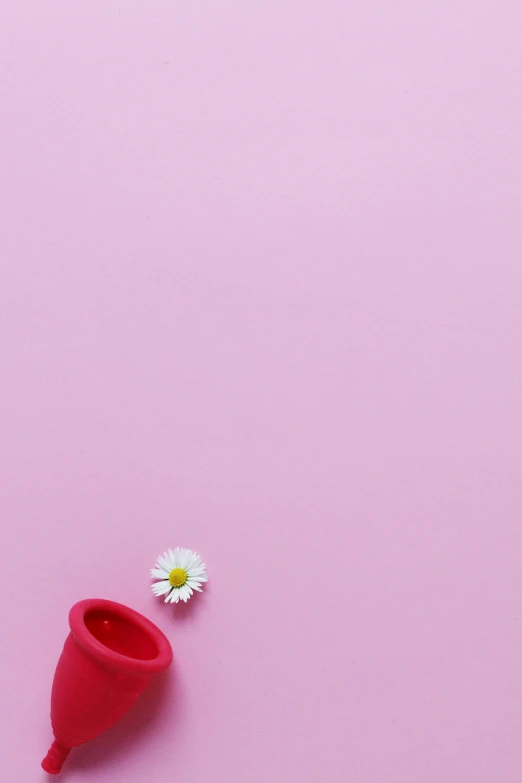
184	558
184	593
164	562
160	588
159	573
199	568
193	561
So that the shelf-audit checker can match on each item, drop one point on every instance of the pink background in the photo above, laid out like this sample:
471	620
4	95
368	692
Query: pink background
260	296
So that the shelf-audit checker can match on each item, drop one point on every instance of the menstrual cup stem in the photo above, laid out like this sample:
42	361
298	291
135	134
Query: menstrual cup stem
55	758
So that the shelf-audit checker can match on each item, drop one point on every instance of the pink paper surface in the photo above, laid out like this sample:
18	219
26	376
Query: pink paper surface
260	295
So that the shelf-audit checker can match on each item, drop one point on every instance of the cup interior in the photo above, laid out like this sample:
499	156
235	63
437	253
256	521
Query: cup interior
120	634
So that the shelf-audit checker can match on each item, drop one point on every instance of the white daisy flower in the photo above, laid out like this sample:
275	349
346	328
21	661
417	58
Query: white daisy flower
180	573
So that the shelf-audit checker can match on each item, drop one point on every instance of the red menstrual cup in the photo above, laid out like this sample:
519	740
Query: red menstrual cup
108	659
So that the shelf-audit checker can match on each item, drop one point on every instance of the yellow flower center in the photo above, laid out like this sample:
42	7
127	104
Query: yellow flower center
178	577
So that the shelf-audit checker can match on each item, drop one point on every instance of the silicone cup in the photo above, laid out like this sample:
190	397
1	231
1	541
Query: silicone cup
108	659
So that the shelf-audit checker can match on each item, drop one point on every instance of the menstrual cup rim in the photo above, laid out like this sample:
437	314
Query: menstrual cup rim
96	649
